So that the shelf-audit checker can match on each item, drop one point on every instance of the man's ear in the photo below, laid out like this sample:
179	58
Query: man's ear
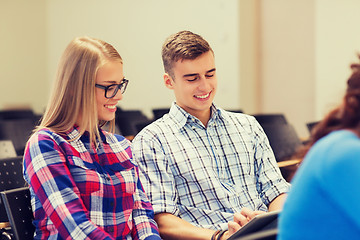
168	81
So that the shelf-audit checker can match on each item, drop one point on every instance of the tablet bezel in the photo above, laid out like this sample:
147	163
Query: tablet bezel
256	224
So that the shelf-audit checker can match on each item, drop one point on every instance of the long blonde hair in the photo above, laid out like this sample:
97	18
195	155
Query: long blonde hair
73	96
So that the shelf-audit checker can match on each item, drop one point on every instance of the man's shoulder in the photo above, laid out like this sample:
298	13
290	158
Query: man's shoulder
241	118
162	126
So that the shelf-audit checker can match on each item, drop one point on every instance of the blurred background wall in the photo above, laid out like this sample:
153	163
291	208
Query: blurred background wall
272	56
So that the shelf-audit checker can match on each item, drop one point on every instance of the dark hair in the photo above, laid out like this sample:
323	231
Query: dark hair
182	45
345	116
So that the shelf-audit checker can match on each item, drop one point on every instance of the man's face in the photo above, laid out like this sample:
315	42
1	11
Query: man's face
194	84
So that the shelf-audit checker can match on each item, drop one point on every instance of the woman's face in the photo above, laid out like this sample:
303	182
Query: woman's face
108	74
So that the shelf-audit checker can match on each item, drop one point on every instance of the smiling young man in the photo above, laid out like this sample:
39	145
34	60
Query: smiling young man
204	169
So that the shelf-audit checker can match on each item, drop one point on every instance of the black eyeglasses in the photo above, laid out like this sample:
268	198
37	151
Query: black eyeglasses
111	90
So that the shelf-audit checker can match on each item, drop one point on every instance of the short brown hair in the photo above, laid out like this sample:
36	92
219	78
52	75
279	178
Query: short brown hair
180	46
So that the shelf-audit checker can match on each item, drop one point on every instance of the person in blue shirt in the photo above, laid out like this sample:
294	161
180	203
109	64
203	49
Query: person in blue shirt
324	200
204	169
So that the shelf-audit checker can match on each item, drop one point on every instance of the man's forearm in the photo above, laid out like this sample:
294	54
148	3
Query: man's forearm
277	203
172	227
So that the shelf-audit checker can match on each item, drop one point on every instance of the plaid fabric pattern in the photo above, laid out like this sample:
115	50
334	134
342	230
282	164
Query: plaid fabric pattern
81	190
204	175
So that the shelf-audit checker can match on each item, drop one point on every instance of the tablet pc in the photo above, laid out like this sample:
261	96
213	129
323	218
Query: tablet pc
258	223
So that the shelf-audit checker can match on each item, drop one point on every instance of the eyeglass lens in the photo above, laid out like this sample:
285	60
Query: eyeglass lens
113	89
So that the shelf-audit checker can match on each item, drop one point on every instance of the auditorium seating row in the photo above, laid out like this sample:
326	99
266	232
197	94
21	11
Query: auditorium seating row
16	126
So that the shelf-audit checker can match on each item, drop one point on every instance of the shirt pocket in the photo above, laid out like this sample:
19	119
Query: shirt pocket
124	179
86	176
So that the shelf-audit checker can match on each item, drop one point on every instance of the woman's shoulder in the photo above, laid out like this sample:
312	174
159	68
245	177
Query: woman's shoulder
336	151
341	141
42	133
44	141
46	133
46	136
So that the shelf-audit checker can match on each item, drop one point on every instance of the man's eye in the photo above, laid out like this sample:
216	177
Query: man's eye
209	75
191	79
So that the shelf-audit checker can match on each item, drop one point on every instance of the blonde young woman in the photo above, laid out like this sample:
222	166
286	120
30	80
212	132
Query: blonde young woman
83	181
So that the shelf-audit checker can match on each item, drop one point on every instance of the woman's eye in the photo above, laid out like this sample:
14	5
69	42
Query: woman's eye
209	75
111	88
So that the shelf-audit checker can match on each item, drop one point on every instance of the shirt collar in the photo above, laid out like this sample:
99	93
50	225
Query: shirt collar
181	117
74	134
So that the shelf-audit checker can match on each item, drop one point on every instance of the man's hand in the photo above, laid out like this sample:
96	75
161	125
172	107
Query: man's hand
240	219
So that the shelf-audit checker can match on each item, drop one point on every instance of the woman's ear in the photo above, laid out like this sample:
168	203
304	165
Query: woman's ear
168	81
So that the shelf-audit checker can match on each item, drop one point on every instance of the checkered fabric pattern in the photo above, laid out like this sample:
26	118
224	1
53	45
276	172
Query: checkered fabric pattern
81	190
206	174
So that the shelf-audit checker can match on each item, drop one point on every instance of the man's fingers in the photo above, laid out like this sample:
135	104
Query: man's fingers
240	219
250	214
233	227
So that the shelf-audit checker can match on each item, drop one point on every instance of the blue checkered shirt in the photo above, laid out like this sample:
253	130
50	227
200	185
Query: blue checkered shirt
206	174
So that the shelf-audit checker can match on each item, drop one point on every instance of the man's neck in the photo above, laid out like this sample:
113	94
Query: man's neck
203	116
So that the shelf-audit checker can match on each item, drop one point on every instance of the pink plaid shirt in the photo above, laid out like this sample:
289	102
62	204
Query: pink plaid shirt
84	191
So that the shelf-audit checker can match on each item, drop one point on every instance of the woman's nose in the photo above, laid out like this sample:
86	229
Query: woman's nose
118	96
